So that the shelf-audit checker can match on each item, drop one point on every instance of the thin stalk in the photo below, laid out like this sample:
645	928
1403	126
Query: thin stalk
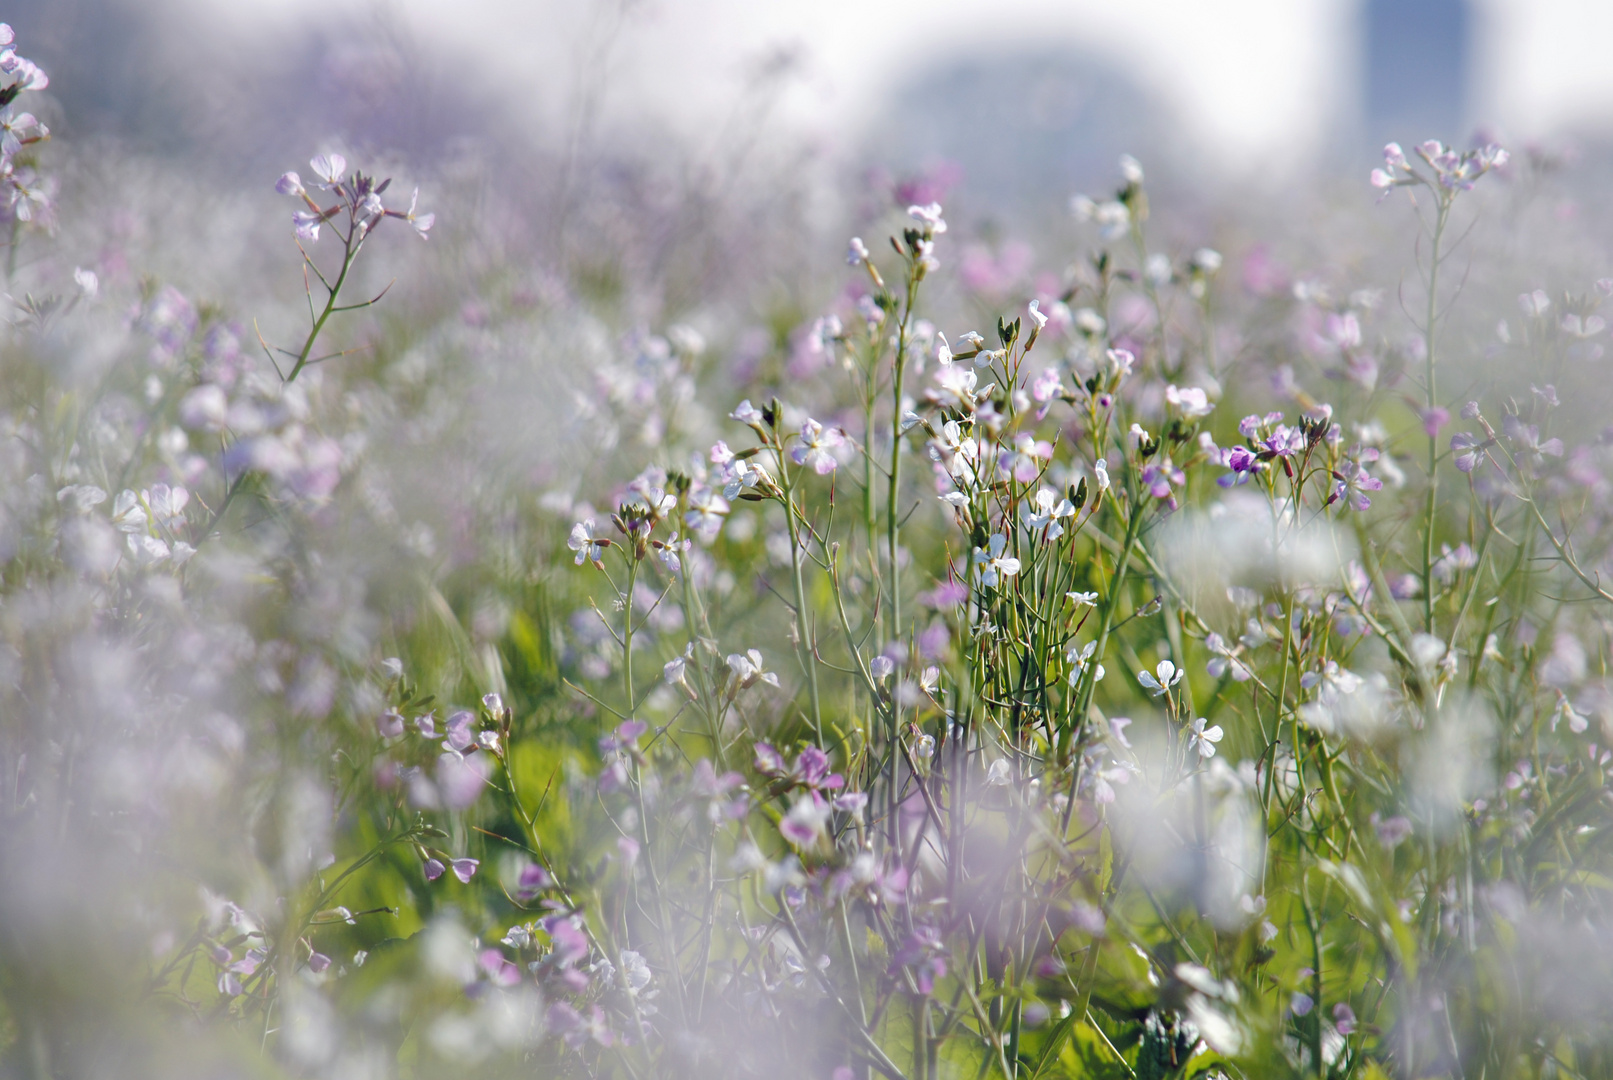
1442	215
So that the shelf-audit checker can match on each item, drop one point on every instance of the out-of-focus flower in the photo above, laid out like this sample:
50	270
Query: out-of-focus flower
929	216
1202	740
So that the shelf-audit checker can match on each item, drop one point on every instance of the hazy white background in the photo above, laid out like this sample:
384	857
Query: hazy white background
1249	80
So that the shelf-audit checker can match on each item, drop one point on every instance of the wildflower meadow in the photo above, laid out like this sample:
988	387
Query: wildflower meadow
1179	650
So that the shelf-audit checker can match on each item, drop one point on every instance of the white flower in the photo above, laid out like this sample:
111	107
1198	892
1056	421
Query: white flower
1131	169
676	672
1225	659
80	498
705	514
330	168
993	564
997	775
1034	307
1565	711
1100	473
1048	509
1083	599
167	505
1168	677
746	413
1079	659
856	252
747	669
588	547
421	223
955	451
736	475
1203	739
881	667
1089	322
928	215
1333	680
1191	401
127	514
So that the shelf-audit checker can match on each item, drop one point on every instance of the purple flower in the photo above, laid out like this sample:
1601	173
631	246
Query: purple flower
1243	463
1282	442
307	224
570	943
1527	437
1468	448
465	869
533	880
434	869
948	594
919	953
1354	481
291	184
460	779
812	769
1393	831
498	970
318	962
1434	419
769	760
1343	1018
708	785
390	724
459	735
1159	477
805	822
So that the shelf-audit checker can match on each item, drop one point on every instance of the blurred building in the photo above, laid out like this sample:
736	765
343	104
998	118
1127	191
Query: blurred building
1014	131
1416	70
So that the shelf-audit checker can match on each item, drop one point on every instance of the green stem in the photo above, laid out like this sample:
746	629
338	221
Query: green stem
1440	219
349	254
1089	679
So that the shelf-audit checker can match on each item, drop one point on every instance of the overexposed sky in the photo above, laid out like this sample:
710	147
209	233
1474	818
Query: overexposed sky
1249	79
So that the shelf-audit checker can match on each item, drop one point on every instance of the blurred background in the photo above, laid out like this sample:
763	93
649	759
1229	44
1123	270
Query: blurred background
1019	97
